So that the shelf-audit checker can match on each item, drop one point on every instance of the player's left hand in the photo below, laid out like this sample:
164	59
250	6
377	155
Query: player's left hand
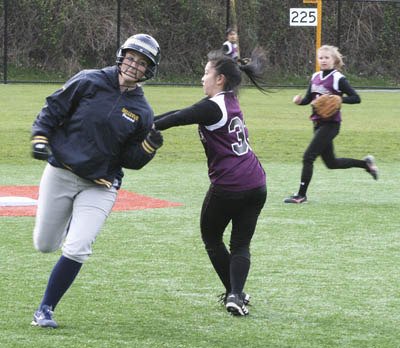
40	148
326	105
154	140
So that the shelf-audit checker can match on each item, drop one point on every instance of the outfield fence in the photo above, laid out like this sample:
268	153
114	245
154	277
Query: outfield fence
49	40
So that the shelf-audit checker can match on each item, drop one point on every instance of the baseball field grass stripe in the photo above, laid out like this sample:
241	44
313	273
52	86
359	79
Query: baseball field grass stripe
324	275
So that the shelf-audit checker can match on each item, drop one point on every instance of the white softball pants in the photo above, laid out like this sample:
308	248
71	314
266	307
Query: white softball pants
70	214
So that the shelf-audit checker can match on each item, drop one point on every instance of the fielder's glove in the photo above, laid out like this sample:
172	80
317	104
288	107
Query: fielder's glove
153	141
40	148
326	105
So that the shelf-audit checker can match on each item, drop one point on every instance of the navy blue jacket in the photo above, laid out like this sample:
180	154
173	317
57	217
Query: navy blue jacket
94	129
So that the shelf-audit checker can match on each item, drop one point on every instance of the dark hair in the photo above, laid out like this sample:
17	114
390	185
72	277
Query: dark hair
253	67
229	30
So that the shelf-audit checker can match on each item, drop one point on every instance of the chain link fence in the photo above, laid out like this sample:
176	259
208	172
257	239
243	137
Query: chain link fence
49	40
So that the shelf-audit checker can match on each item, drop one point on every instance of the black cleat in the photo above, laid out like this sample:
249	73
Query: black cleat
245	297
371	166
235	305
297	199
43	317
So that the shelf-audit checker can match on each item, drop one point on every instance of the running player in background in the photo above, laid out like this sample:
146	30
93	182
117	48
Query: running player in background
327	81
98	123
238	190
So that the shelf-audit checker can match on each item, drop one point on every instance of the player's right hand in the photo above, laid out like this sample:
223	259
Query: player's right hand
40	148
297	99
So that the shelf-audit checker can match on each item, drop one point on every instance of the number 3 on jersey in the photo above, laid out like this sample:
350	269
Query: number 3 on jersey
241	147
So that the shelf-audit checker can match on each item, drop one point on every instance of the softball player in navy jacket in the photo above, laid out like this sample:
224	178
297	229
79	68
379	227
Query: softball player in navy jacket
238	182
98	123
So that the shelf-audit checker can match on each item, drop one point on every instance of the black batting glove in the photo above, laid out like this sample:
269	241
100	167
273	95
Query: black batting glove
40	148
153	141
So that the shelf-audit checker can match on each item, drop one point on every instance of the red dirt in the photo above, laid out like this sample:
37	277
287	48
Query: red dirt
125	201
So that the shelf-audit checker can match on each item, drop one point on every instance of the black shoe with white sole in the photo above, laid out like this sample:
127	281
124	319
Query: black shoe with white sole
235	305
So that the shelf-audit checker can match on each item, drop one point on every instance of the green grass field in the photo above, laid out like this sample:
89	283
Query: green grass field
324	274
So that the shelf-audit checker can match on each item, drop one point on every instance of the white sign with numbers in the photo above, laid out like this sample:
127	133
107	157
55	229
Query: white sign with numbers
303	17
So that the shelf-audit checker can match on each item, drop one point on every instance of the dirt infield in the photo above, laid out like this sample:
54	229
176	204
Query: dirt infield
125	201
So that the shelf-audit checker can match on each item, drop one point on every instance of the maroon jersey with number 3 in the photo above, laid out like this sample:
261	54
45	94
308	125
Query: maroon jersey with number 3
232	163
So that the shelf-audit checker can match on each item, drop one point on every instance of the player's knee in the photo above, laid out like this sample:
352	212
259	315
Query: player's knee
44	246
309	159
240	251
214	248
331	165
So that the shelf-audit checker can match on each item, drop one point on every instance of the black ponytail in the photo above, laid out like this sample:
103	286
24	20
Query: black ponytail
253	68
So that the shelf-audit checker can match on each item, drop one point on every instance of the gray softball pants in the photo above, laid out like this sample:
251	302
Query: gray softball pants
70	214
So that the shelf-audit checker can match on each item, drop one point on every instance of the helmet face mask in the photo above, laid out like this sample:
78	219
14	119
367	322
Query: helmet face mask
145	45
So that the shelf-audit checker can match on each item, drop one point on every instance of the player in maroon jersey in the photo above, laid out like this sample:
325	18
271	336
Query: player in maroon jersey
238	182
327	81
230	46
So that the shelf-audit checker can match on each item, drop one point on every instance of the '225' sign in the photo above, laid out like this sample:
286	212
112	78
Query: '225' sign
303	17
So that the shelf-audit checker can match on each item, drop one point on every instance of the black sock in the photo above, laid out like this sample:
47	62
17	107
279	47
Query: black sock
303	189
240	266
61	278
220	259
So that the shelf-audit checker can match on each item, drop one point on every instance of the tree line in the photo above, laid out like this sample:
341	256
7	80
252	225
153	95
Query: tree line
68	35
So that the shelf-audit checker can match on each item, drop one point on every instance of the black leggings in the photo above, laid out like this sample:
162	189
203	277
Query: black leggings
242	209
322	145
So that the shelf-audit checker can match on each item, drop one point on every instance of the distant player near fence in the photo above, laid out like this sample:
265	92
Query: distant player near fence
230	46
